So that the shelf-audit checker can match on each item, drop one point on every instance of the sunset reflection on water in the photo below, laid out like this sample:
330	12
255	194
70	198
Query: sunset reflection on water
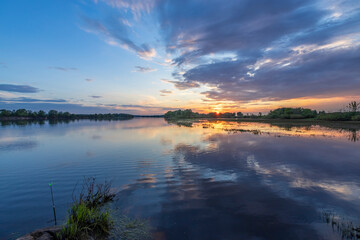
191	179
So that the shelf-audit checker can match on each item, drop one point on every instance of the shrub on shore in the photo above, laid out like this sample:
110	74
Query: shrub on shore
336	116
356	118
292	113
84	221
88	216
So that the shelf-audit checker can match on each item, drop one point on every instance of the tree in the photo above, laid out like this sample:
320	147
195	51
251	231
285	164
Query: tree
41	114
227	115
5	113
353	106
239	114
53	114
21	113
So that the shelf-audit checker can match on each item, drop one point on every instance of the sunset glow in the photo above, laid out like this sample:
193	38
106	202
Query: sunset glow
149	57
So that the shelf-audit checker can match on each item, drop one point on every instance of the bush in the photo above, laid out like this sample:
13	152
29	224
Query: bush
292	113
356	118
95	195
337	116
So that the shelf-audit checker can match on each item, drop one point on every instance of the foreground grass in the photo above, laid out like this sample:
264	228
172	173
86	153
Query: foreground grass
84	222
90	217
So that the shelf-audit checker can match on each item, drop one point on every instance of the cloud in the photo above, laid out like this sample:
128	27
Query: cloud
144	69
137	7
144	107
273	51
245	50
31	100
330	73
18	88
64	69
199	28
95	96
183	85
165	92
118	33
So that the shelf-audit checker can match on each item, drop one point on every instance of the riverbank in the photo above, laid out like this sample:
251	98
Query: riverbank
48	233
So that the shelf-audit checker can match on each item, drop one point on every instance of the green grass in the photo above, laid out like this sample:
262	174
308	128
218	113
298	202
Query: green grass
90	217
336	116
83	222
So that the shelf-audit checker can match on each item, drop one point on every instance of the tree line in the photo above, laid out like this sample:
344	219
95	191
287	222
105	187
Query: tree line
351	113
57	115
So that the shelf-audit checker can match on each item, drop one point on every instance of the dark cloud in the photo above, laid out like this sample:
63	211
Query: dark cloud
95	96
65	69
144	69
146	107
31	100
165	91
18	88
198	28
271	45
183	85
315	74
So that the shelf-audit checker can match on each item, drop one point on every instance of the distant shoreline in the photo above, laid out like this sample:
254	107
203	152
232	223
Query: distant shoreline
81	118
265	120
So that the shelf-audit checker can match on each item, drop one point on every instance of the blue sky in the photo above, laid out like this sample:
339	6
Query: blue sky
150	56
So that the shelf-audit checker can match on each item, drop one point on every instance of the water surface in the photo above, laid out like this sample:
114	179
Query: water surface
202	180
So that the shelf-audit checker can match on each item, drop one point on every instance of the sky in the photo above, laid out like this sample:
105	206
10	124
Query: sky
152	56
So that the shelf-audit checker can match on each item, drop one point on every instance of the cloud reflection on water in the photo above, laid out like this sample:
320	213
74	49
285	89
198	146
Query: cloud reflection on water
231	182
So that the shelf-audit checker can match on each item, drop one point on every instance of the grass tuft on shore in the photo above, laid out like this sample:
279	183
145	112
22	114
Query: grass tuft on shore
91	217
83	222
88	216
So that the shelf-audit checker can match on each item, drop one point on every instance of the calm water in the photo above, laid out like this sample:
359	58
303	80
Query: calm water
218	180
